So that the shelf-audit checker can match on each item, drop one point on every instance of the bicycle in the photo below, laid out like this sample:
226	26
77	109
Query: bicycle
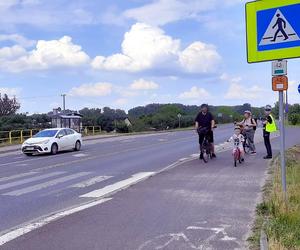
237	154
246	144
206	145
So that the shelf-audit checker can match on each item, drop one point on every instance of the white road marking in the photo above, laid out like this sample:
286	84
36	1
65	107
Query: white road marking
162	140
91	181
12	177
24	181
183	159
13	234
127	141
22	165
80	155
45	184
110	189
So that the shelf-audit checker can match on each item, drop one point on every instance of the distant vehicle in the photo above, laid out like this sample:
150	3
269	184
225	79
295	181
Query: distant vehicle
52	141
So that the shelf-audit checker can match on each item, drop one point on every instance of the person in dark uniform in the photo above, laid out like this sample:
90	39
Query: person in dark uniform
269	127
206	120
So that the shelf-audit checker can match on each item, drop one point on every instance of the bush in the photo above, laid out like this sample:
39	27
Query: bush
121	127
294	119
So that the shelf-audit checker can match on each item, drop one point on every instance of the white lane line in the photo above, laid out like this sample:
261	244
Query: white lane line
22	165
80	155
13	234
25	181
183	159
110	189
91	182
45	184
162	140
12	177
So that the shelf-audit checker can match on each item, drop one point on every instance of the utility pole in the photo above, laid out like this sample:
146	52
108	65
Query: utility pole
64	101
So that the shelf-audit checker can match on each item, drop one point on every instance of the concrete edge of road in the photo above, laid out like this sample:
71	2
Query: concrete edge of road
16	147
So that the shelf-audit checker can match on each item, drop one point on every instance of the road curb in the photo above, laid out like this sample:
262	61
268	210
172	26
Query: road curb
263	241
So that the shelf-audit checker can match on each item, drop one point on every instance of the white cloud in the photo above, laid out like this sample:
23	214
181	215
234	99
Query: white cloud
6	4
11	53
161	12
148	48
238	91
195	93
18	39
42	14
165	11
142	84
97	89
46	55
10	91
143	47
200	57
227	78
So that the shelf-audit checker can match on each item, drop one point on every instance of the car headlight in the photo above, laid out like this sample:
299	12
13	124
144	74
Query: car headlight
25	143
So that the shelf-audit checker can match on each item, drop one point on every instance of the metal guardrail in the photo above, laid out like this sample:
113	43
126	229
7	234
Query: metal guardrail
16	136
19	136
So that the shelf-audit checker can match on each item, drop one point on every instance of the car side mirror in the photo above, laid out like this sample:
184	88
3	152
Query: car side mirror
60	136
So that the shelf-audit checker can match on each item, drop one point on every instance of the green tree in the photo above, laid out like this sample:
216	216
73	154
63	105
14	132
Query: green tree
8	106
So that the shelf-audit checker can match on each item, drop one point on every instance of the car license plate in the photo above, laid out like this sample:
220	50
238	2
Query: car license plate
30	148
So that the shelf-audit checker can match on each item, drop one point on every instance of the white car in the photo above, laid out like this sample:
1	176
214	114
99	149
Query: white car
52	141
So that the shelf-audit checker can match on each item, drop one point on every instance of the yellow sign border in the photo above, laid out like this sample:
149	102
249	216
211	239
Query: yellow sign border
253	55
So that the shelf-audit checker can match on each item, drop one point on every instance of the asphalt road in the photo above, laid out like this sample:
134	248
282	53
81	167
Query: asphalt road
191	206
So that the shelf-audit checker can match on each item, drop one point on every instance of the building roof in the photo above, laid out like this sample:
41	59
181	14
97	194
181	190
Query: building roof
67	116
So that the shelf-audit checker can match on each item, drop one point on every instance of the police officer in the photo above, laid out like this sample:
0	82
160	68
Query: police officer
269	127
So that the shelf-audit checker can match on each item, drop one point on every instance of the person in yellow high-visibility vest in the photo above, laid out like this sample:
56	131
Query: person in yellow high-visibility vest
269	127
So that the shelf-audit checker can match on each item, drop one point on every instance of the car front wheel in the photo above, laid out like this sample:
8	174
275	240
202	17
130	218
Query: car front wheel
77	146
54	149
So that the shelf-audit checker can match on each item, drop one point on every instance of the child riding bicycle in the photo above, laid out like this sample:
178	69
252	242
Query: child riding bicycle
238	150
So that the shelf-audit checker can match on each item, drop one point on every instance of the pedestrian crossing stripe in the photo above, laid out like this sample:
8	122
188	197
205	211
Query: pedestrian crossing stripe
279	31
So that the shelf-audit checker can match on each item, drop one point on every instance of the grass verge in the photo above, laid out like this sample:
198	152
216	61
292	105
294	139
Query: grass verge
280	221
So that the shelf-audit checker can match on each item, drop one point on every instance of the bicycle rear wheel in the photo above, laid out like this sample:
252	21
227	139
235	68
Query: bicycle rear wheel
247	147
236	157
206	156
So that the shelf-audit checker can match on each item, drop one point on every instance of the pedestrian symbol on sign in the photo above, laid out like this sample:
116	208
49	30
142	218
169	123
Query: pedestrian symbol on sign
279	31
281	24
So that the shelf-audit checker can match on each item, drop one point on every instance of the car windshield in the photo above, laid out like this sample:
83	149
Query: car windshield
46	133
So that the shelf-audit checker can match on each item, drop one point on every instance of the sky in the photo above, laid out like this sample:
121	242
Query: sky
124	54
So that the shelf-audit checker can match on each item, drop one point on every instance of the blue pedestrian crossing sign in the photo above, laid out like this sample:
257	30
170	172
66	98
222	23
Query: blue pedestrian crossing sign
299	88
279	33
273	30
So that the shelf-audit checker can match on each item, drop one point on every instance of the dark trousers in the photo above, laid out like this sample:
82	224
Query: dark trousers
267	143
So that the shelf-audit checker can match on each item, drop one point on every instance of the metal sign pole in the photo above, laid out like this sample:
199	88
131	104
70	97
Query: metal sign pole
282	144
